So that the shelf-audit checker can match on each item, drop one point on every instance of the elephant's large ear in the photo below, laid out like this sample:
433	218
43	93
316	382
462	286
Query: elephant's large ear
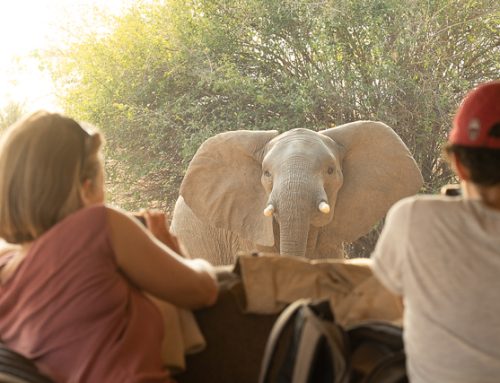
223	186
378	170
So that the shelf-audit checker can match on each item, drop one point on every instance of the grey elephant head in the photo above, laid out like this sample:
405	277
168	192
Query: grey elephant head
301	192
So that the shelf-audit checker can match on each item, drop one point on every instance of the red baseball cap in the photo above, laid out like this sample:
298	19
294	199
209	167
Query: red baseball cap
477	121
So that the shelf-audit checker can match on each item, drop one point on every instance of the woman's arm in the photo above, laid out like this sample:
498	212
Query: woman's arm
156	222
157	269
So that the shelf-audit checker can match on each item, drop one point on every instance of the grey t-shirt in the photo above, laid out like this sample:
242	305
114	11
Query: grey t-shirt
442	254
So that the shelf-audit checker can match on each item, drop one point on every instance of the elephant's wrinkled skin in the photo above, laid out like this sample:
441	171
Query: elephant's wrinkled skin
301	193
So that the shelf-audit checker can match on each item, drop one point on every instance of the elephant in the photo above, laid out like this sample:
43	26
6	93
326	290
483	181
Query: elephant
298	193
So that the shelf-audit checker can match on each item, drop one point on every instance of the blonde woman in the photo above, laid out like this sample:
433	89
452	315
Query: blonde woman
73	270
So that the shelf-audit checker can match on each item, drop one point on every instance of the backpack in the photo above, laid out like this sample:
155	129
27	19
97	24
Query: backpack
376	353
306	345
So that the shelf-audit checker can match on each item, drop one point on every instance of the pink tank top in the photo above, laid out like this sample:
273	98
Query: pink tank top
70	309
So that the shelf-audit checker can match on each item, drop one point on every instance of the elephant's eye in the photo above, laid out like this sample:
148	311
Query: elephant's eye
267	174
330	170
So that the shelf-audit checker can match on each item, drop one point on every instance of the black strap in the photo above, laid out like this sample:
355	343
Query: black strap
17	367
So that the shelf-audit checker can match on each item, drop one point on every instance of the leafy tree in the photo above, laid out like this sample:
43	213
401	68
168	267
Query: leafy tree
169	74
10	113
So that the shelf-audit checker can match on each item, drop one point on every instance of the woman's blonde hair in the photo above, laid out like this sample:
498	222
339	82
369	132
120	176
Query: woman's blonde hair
44	159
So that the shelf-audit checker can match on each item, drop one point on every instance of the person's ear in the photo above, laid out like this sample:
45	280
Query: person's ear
86	191
459	168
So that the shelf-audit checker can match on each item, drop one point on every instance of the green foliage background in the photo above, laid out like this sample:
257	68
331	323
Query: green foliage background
169	74
10	113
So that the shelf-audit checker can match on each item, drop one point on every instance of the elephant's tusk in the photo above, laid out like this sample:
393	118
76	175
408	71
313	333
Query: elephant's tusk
324	207
269	210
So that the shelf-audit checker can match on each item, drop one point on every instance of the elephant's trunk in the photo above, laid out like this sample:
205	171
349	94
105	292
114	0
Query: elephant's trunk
293	236
294	211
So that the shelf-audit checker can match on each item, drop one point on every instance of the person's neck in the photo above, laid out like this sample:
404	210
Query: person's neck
489	195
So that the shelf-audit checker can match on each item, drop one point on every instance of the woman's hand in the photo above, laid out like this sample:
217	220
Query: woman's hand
156	222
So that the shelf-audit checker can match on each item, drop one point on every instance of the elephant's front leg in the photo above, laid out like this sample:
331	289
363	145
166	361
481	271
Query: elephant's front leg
218	246
328	247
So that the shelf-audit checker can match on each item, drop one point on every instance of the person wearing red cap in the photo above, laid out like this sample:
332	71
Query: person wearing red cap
442	255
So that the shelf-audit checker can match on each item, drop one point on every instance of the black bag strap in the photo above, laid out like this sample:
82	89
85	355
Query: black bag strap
15	367
385	333
392	369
